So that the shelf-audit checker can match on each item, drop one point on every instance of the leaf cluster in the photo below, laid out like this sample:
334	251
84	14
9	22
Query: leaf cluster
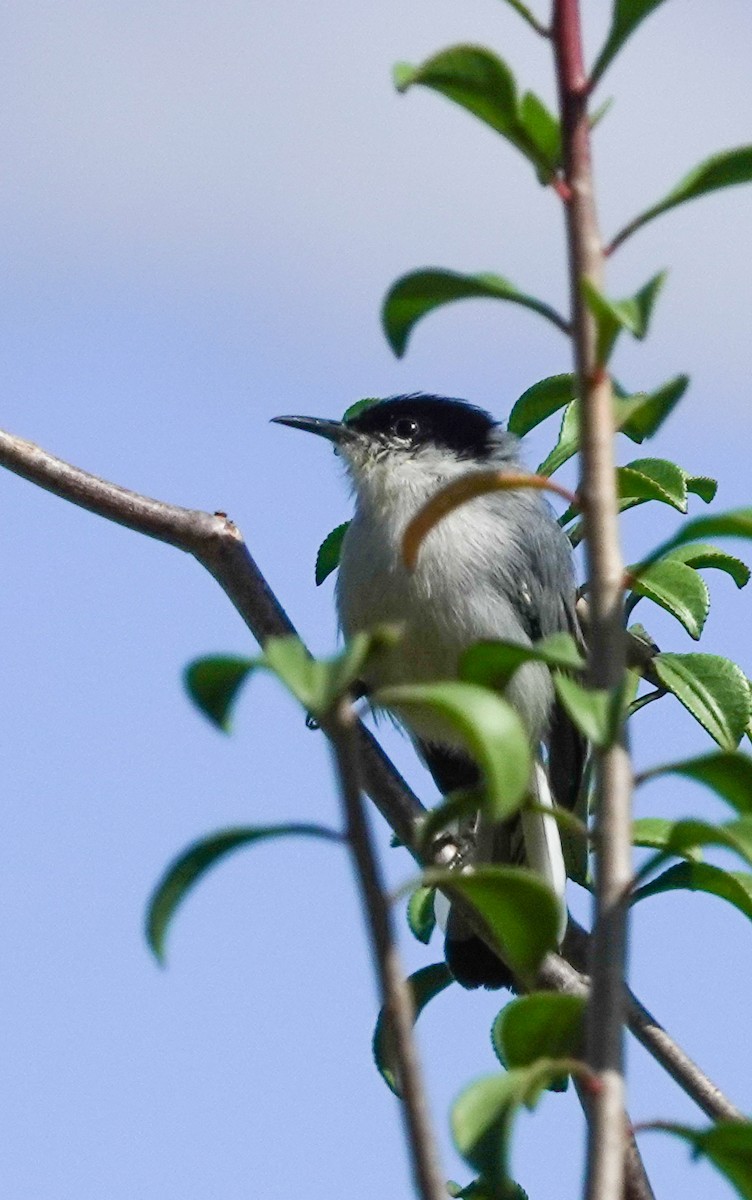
538	1038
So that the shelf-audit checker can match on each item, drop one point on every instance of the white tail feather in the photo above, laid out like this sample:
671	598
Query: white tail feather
543	852
543	845
441	908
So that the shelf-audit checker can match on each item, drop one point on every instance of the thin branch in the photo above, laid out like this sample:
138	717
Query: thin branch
394	992
637	1186
530	18
636	705
620	238
651	1034
217	544
706	1094
607	655
556	974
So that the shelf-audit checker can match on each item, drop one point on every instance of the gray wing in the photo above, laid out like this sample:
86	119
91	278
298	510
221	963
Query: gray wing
543	588
534	571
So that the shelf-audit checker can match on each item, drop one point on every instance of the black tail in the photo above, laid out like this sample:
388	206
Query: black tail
472	963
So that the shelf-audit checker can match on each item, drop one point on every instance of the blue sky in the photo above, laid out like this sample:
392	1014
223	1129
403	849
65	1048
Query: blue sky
202	208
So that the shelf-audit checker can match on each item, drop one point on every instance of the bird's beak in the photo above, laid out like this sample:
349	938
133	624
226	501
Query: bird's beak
333	431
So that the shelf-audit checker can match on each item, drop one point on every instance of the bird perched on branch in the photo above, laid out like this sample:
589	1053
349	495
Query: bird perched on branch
499	567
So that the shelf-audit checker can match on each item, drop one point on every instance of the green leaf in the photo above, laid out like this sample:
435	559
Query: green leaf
644	413
483	1118
736	523
597	115
526	15
420	292
492	664
678	589
638	416
726	169
728	773
421	914
543	134
713	689
186	870
521	913
540	1025
541	400
641	647
702	486
642	701
632	314
638	482
213	685
589	709
655	833
728	1145
327	559
626	16
318	683
479	1189
652	479
483	85
702	555
490	728
423	985
647	479
472	77
733	886
359	407
568	442
288	659
669	482
690	834
346	667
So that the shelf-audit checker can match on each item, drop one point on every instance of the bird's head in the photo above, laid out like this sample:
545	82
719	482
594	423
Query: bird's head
408	437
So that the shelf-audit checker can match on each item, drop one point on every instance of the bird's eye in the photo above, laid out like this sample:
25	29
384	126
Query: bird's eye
405	428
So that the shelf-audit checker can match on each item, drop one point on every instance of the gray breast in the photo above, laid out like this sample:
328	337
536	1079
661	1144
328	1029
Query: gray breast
467	587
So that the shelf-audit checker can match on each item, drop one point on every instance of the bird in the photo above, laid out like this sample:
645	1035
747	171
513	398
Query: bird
500	568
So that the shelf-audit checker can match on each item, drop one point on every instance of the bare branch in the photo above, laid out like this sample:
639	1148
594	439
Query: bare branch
218	545
651	1034
637	1186
706	1094
395	995
606	645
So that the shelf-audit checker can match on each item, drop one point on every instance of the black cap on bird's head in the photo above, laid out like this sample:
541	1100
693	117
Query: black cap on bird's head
412	423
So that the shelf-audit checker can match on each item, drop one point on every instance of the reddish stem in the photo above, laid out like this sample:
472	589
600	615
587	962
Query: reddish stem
606	1137
562	189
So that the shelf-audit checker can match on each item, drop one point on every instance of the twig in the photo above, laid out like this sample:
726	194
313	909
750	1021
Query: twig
537	25
395	995
605	1168
620	238
651	1034
637	1186
217	544
706	1094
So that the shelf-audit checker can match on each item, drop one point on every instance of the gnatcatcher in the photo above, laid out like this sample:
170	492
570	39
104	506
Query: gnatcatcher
499	567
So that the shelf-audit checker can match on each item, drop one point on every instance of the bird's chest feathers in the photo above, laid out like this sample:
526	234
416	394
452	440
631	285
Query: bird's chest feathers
444	604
